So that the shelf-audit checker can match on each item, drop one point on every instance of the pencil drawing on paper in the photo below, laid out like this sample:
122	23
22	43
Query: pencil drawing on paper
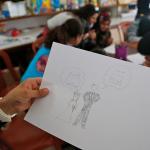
73	79
74	100
67	114
117	78
89	98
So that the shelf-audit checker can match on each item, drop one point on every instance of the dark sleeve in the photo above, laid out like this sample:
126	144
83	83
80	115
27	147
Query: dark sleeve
144	26
143	7
2	124
85	26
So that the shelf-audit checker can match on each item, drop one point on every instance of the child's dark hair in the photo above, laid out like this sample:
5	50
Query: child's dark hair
144	45
85	12
62	34
103	16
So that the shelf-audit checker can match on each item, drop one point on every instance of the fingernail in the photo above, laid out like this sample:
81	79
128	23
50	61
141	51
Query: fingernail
46	90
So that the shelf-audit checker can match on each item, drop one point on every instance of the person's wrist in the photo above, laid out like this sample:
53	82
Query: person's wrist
6	106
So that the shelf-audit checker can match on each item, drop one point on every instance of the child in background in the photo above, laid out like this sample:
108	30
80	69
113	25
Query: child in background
87	14
144	48
102	28
103	35
69	33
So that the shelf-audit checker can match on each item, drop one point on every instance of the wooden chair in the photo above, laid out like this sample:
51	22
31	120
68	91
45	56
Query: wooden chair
4	88
21	135
37	43
40	40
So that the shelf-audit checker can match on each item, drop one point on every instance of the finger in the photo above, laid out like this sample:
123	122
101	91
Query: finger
32	83
36	83
38	93
38	80
43	92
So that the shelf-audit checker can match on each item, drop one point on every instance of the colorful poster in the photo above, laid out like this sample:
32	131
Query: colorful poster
41	6
105	3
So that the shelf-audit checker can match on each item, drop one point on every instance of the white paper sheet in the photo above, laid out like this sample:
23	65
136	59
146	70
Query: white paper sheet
136	58
110	49
95	102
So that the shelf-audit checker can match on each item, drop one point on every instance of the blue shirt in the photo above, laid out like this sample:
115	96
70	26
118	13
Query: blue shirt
33	70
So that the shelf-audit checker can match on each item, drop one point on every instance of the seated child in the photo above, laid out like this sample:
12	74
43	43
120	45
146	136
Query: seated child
103	39
144	48
88	16
103	34
69	33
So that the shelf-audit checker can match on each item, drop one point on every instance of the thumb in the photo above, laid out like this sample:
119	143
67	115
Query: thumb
39	93
43	92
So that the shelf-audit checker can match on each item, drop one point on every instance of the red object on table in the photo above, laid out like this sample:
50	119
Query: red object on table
15	32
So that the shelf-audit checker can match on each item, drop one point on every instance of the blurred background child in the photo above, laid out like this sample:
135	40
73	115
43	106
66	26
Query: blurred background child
144	48
69	33
102	36
102	28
